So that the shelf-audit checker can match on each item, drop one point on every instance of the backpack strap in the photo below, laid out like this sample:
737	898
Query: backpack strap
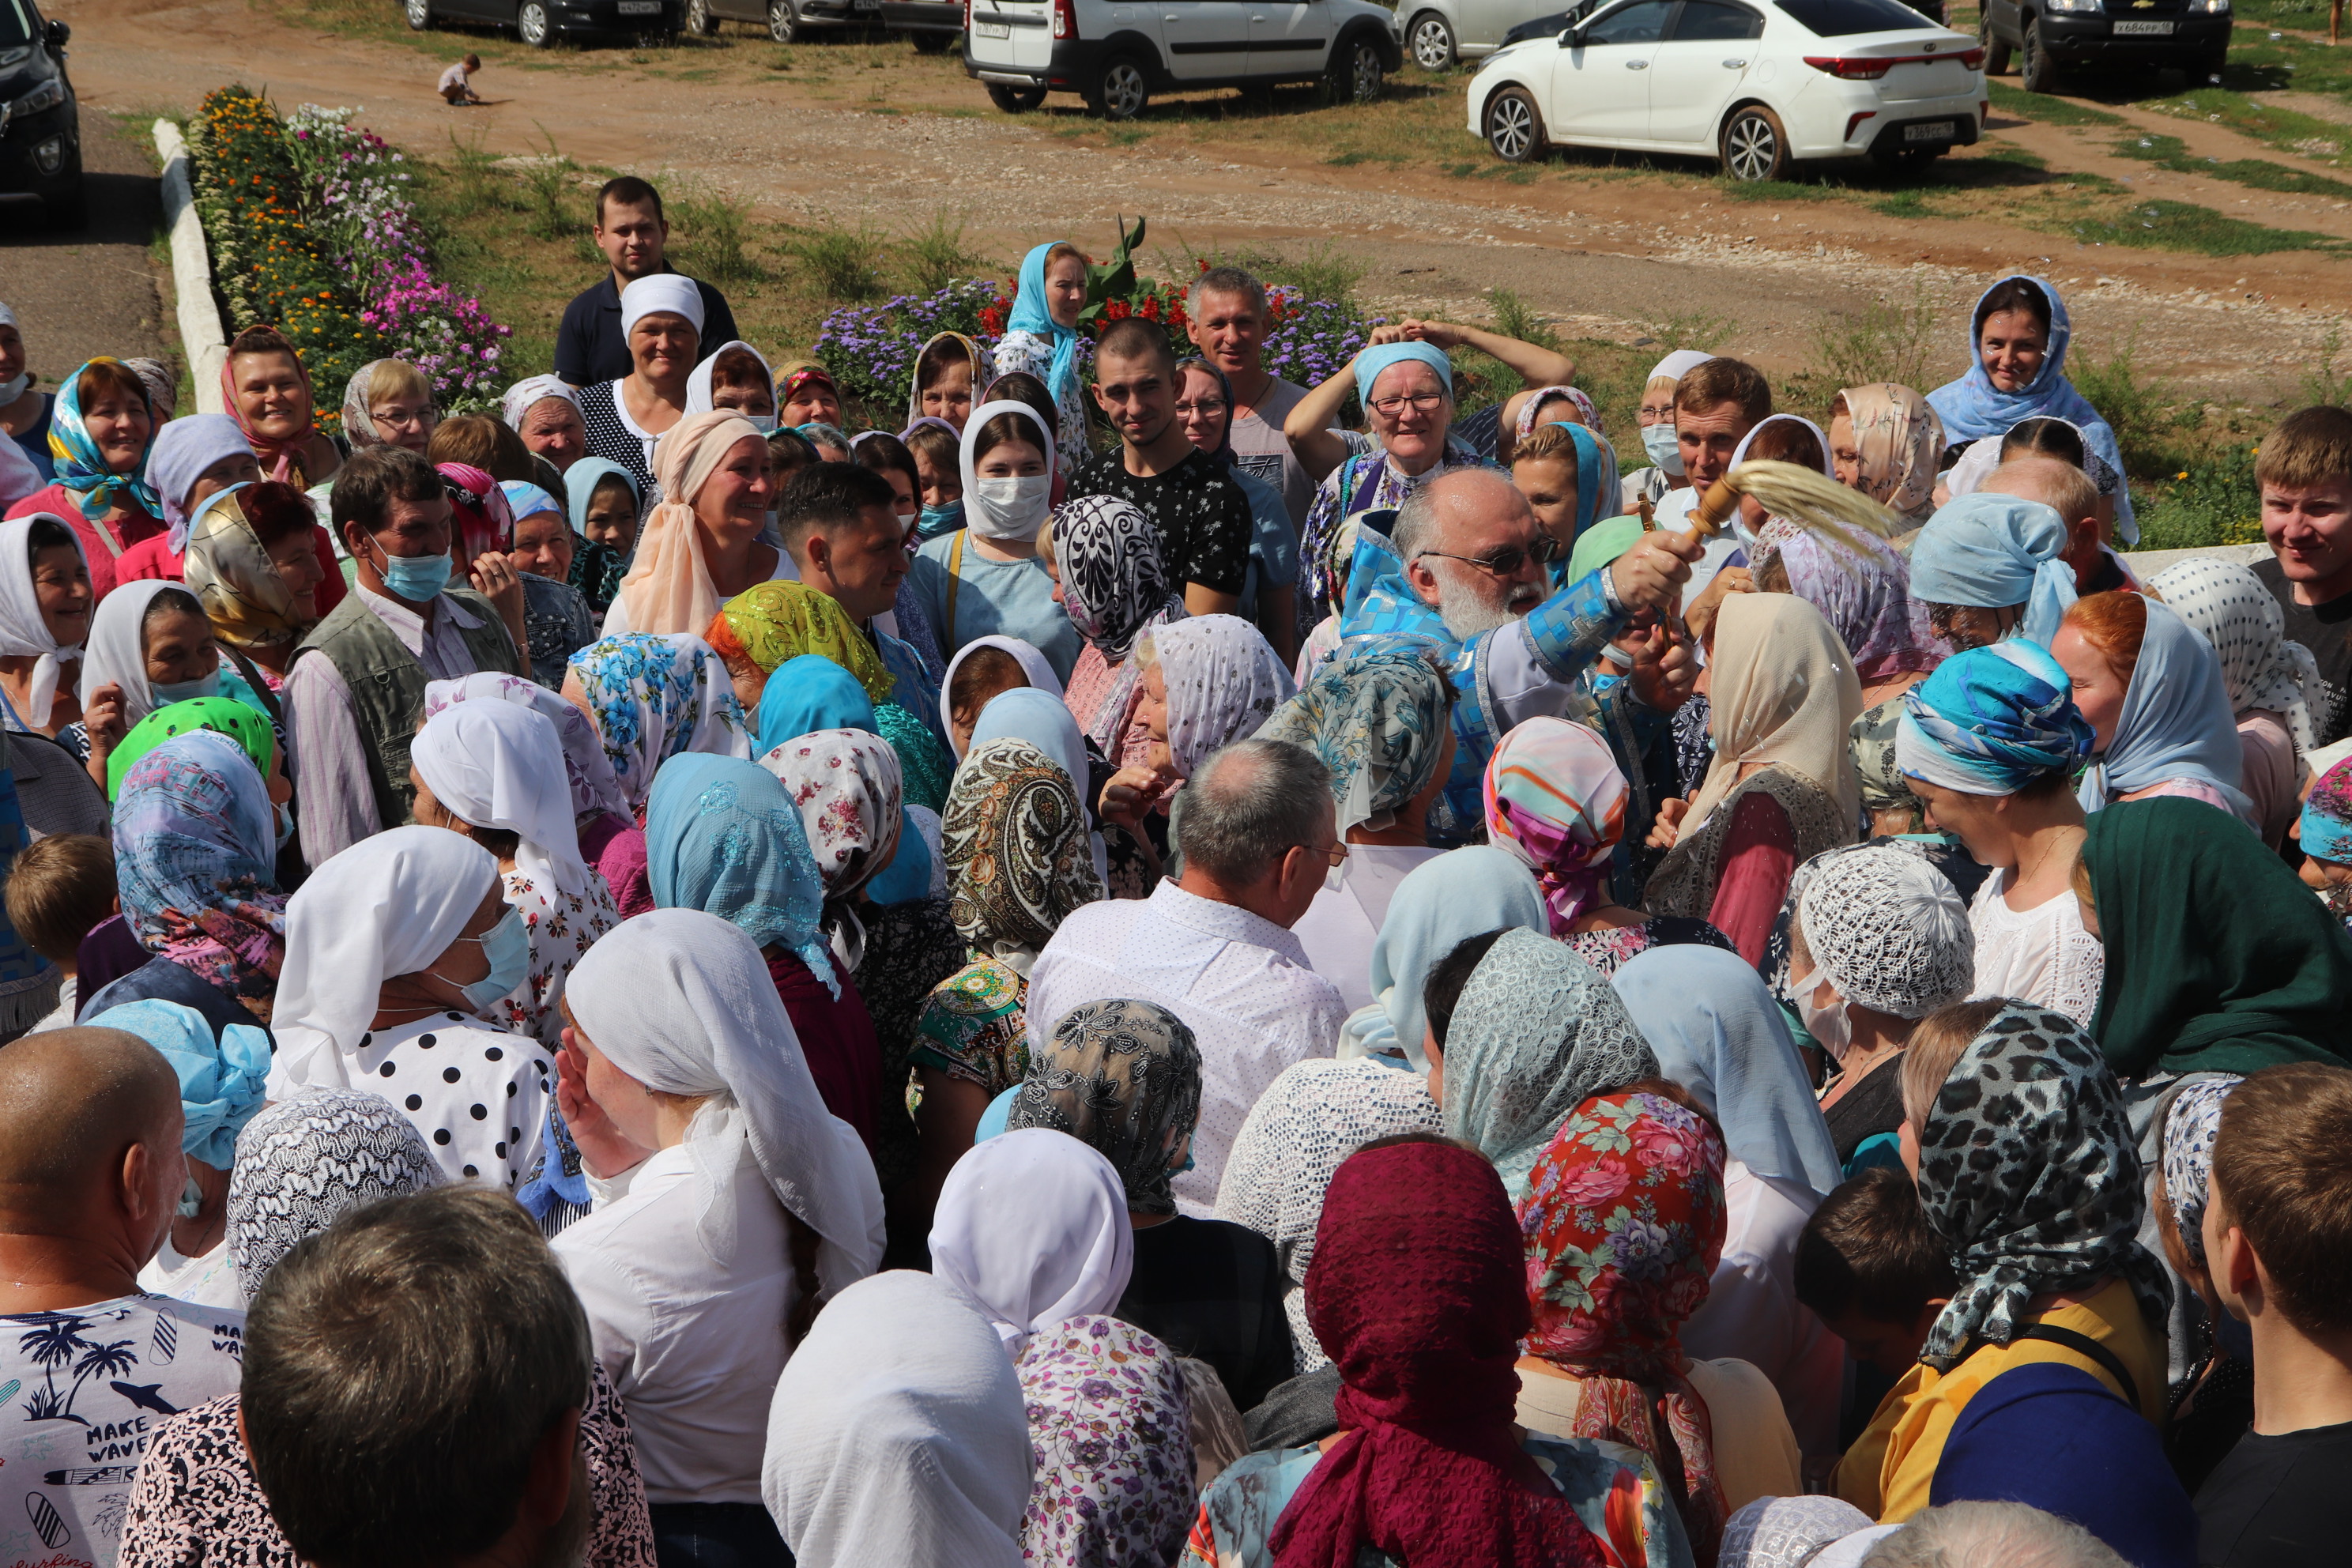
2091	1349
947	634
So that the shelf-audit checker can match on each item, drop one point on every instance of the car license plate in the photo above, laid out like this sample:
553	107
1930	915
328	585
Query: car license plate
1933	131
993	30
2143	29
639	7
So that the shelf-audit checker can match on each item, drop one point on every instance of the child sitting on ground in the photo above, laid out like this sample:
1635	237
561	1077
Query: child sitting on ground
454	87
59	890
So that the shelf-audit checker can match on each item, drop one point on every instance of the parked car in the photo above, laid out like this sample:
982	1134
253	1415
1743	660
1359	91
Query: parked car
1758	84
932	26
539	22
1116	55
1441	33
787	20
2191	35
40	119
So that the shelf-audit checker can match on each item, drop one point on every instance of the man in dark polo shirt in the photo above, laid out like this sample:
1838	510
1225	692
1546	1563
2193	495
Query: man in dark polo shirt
630	230
2305	474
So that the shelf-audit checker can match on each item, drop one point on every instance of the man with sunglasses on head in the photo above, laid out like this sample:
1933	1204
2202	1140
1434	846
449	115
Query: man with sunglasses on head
1464	564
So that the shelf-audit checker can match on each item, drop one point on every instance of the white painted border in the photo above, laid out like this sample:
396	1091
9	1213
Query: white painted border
192	273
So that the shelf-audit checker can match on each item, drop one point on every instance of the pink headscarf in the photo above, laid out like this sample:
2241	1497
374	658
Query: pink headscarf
1864	590
280	460
1556	802
668	589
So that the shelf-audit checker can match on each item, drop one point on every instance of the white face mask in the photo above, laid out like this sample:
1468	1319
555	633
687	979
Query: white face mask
12	390
1828	1026
1665	448
1011	510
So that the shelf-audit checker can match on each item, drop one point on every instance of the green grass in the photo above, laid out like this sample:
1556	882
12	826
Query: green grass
2180	225
1733	190
2282	128
2168	153
2045	109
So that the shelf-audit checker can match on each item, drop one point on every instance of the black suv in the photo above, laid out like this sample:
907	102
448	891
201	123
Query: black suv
2191	35
40	124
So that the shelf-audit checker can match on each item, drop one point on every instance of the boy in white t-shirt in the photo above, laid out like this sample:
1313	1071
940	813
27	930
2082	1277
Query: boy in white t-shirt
456	88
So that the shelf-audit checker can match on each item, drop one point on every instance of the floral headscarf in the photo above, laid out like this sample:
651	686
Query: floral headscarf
586	769
1623	1223
1556	802
1531	411
846	785
195	851
1900	441
1111	1425
2190	1125
1014	839
1379	721
1224	683
82	468
229	571
777	621
2030	1174
358	406
654	696
1124	1077
1864	590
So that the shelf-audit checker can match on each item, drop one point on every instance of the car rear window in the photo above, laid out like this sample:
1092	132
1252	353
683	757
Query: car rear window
1843	18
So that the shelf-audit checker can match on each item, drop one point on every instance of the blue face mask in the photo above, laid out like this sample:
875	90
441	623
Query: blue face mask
1665	448
170	691
937	520
416	578
285	823
192	1203
507	947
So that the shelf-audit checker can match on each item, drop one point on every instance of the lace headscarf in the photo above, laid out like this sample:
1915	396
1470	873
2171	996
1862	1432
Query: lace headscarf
722	837
2227	605
1887	929
654	697
305	1163
1123	1078
1556	802
1787	1532
1018	858
2030	1175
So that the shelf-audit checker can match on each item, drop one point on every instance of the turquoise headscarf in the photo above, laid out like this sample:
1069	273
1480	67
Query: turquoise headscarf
82	468
1372	360
1440	903
1994	552
1596	476
527	500
1029	315
722	837
808	693
221	1083
1990	720
580	482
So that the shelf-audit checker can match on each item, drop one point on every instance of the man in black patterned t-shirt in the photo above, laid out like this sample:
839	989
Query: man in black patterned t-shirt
1202	516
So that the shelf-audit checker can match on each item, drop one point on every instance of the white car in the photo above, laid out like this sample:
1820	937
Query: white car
1116	53
1758	84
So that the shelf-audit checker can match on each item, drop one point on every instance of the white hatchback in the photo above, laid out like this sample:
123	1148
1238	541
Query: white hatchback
1758	84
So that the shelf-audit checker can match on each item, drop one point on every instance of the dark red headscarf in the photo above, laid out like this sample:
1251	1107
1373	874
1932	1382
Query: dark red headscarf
1417	1291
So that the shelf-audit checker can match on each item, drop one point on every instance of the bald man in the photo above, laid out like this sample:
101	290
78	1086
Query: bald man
91	1173
2074	496
1465	565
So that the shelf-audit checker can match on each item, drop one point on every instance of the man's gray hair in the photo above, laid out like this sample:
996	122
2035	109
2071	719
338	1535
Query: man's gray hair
1247	805
1992	1535
1227	280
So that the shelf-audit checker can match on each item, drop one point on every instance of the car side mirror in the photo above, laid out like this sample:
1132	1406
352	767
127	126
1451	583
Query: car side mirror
1572	40
56	35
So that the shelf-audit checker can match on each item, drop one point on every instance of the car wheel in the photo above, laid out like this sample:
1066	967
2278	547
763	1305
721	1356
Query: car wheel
1119	89
784	22
1432	42
1015	100
2036	71
699	19
1754	146
932	43
1996	52
2208	69
531	21
1356	72
1514	127
419	14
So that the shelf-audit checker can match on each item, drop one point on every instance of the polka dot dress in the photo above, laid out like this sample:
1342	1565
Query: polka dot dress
477	1093
612	436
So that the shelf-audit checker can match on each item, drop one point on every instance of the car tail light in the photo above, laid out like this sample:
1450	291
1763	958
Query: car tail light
1972	58
1853	120
967	18
1848	70
1065	19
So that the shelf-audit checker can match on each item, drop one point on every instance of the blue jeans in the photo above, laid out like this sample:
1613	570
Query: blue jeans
717	1535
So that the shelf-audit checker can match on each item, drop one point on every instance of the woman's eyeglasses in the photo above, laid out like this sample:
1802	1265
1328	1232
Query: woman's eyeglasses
1422	402
1207	407
1505	560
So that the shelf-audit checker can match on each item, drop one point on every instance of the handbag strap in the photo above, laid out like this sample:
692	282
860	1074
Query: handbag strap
955	581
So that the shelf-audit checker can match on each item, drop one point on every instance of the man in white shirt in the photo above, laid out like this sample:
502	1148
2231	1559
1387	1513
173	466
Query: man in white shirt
1229	321
355	692
91	1173
1254	825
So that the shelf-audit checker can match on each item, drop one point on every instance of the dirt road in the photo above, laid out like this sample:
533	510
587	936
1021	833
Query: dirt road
847	135
96	291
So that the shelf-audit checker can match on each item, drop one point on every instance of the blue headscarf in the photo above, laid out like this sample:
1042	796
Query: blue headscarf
1025	714
722	837
1995	552
221	1083
1972	407
580	482
1991	721
2177	722
183	449
1029	315
1459	894
527	500
1717	1032
808	693
1372	360
1596	475
82	468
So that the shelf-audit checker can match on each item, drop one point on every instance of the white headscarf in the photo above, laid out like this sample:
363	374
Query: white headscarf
586	768
1739	453
898	1436
388	905
494	765
2227	605
532	390
656	291
22	630
1033	665
1224	682
117	650
681	1001
698	389
1032	1228
977	513
1677	365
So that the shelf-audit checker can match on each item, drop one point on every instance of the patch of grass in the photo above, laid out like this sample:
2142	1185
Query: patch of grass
936	254
1912	203
2210	500
1349	159
1514	318
839	262
475	177
2324	381
2170	153
1771	190
2149	415
1702	329
715	229
1886	340
2045	109
1126	135
2182	225
2282	128
552	194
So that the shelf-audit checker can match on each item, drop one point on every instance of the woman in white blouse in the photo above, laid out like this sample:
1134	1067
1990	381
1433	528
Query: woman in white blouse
729	1204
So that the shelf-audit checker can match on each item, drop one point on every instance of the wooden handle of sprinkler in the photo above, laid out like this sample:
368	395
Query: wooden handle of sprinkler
1714	508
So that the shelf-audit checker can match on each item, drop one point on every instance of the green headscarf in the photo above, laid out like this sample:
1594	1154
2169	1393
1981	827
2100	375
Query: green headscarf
248	727
2218	960
1603	542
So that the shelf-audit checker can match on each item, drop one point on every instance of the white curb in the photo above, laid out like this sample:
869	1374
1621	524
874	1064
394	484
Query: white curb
192	273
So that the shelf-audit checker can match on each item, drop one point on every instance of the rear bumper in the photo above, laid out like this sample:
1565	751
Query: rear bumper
2086	40
922	17
1072	61
604	17
1895	136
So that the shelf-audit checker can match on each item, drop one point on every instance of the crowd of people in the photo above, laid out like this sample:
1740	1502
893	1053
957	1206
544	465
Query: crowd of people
1159	967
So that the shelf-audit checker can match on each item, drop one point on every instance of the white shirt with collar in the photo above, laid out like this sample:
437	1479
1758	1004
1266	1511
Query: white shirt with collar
1241	983
694	1343
335	804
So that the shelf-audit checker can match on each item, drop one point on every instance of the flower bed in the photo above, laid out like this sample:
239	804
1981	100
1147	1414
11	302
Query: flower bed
311	230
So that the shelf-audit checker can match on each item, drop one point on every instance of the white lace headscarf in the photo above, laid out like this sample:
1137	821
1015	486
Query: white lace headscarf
2226	606
1887	930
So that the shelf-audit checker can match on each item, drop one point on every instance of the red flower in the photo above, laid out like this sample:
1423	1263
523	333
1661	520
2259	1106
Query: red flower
1116	309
